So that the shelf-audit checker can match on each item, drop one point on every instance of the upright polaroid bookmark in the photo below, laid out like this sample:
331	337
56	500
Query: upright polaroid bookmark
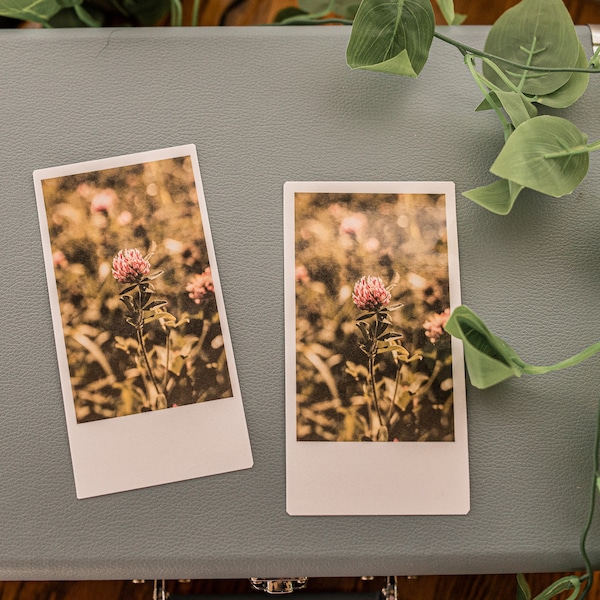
147	370
375	389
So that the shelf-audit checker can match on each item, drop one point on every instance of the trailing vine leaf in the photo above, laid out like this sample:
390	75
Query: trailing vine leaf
498	197
489	359
542	155
450	16
38	11
537	33
571	91
391	36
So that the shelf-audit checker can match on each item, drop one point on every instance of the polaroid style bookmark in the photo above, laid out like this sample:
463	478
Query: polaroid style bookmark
147	370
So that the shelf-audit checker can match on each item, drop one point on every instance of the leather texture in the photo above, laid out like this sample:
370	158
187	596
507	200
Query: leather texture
265	105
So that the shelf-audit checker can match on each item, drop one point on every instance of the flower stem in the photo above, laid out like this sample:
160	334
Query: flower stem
139	329
588	564
372	357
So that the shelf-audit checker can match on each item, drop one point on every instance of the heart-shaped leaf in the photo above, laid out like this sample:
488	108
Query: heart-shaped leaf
538	33
393	36
546	154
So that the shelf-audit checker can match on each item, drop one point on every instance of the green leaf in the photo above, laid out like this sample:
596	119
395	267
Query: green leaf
344	8
85	16
517	106
489	359
546	154
498	197
391	36
39	11
288	13
539	33
447	8
523	591
564	584
571	91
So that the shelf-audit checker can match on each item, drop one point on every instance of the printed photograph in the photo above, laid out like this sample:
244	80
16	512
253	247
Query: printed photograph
135	289
373	362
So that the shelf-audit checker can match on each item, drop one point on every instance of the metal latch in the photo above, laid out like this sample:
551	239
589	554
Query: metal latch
278	586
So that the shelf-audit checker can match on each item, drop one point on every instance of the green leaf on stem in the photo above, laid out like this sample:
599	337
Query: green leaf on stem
489	359
391	36
523	590
546	154
571	91
447	9
538	33
498	197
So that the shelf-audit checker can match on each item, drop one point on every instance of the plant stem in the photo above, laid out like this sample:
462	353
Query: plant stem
588	564
195	12
470	62
563	364
468	49
578	150
139	329
374	392
372	357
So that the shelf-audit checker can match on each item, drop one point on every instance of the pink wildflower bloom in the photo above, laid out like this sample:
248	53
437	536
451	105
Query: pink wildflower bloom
302	274
103	201
200	285
370	293
129	266
59	259
353	224
434	327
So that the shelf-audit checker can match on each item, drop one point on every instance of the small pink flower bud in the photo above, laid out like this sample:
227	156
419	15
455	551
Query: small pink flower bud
434	327
370	293
200	285
129	266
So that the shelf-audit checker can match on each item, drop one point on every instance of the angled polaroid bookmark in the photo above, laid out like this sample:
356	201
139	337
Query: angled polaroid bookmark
148	377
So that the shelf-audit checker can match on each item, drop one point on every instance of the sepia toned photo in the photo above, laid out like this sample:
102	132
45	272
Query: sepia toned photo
135	289
372	297
143	349
375	387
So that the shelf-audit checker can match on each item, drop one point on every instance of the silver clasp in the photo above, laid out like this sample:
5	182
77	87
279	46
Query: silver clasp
278	586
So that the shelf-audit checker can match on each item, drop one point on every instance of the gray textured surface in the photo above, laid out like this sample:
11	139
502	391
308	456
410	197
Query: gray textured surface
266	105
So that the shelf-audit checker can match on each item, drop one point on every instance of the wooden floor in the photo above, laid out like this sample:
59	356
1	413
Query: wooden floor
463	587
448	587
